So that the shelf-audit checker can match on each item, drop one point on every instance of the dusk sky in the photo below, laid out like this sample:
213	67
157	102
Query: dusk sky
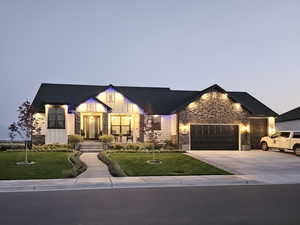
248	46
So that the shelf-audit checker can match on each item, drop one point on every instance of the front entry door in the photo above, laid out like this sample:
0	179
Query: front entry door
91	127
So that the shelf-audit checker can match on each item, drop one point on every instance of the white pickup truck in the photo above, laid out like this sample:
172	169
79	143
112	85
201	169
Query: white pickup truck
283	140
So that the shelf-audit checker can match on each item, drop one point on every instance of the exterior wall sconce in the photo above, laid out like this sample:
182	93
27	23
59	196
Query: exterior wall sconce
184	128
245	128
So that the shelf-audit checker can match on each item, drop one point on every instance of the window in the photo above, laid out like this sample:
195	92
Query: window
121	125
156	122
276	135
297	135
56	118
285	134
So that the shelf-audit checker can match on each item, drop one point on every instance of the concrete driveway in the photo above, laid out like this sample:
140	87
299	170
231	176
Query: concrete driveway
269	166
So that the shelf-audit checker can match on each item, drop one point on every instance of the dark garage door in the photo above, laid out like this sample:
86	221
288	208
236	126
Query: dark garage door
214	137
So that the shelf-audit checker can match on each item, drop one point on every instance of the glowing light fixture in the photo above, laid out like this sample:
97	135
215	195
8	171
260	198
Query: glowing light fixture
205	96
184	128
245	128
192	105
237	106
224	96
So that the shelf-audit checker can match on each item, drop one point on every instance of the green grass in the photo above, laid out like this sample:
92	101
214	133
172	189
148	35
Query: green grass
173	164
49	165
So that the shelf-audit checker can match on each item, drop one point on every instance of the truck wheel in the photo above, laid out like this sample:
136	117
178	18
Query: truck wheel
297	151
264	146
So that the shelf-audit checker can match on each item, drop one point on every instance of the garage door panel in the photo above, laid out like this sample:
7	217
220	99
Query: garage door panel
214	137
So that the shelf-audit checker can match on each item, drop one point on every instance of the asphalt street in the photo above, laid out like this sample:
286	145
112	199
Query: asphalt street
234	205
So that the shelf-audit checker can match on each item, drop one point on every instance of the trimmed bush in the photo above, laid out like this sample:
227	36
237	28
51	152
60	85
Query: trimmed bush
74	139
78	166
113	167
53	148
11	146
106	139
168	144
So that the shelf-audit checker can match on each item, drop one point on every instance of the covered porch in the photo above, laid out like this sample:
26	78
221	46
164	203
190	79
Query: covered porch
125	128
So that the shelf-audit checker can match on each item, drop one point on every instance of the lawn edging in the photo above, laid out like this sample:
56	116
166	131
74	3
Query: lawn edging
113	167
78	166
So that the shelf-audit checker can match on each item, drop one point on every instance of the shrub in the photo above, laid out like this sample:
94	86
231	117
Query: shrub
11	146
78	166
113	167
118	146
52	147
74	139
149	146
106	139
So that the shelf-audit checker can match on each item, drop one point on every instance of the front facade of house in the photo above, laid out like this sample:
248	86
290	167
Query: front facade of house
200	120
289	120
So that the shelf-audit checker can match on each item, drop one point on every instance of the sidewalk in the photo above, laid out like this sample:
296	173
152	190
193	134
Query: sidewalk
96	168
123	182
143	182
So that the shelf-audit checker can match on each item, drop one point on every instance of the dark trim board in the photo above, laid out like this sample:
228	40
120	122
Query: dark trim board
214	137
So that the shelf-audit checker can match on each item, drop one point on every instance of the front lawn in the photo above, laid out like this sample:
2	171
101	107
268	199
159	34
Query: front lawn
173	164
48	165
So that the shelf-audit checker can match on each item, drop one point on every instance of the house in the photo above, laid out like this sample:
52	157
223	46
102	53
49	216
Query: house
212	118
289	120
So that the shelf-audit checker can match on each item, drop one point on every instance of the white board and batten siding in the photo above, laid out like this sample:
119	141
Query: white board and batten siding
57	136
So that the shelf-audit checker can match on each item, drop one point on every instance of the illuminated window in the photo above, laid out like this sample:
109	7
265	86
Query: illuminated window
121	125
56	118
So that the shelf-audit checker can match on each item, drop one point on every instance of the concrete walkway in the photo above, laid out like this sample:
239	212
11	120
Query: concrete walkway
96	168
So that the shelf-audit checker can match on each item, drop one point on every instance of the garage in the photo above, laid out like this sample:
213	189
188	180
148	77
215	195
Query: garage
214	137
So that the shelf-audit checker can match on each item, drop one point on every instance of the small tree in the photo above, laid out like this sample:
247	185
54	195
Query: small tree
26	125
151	134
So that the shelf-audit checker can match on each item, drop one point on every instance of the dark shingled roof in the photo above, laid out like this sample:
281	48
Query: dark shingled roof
153	100
294	114
252	104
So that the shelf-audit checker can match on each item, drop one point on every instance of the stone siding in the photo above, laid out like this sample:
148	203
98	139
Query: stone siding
212	108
